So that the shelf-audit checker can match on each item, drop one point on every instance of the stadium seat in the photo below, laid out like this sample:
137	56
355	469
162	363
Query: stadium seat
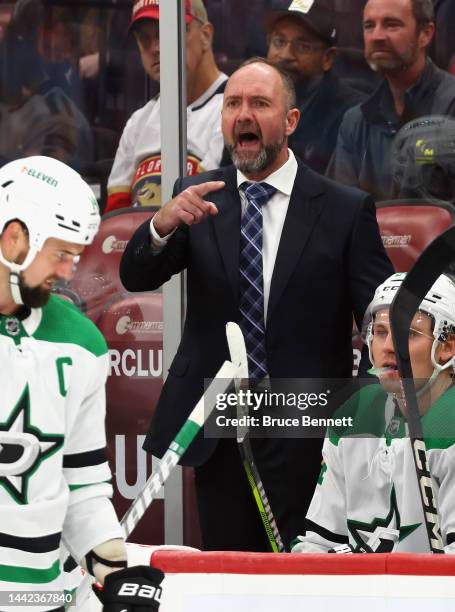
408	226
96	280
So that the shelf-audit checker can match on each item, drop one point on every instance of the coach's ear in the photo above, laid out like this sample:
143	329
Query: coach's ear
292	120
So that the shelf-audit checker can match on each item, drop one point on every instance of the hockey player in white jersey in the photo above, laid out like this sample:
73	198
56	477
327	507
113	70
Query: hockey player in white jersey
367	497
55	481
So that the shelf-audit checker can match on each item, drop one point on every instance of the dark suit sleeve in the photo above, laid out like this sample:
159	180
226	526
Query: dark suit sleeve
369	264
141	270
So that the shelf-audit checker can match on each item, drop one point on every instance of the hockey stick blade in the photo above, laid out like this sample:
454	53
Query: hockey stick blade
436	259
238	355
237	350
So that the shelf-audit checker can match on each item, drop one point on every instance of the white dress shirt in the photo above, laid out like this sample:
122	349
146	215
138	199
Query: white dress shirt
273	216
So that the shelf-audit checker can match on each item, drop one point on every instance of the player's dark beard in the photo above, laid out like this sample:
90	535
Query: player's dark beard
33	297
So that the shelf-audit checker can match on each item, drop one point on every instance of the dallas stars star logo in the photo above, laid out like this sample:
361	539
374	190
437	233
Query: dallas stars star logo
363	533
23	448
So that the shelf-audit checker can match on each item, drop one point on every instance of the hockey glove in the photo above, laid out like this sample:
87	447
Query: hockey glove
384	540
343	549
135	589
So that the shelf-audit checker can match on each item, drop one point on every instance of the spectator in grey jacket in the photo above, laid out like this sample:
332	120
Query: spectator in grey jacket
397	34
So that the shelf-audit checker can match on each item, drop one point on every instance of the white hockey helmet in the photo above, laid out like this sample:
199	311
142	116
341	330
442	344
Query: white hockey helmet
439	303
51	199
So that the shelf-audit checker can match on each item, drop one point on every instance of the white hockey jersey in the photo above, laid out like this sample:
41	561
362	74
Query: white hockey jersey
135	177
367	488
54	475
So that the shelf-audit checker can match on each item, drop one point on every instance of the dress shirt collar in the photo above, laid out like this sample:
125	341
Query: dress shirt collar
282	179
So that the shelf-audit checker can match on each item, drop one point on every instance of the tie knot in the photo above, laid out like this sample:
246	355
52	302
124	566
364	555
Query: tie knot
259	192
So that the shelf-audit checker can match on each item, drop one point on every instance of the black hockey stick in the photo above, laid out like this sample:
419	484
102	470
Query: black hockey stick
433	262
239	358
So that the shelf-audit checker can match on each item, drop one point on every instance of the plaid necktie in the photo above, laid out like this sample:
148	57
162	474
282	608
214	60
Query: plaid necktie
251	280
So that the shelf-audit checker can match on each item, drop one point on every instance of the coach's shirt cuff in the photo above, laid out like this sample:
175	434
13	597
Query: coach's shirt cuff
157	243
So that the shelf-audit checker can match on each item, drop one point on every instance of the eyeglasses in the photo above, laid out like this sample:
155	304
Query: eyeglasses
298	46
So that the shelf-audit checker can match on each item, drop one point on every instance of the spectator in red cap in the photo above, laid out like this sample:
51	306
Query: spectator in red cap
135	177
302	41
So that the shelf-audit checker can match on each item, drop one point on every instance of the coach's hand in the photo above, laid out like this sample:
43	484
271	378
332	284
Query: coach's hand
188	207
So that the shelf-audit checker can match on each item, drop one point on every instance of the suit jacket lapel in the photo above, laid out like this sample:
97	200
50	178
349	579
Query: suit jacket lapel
227	226
303	210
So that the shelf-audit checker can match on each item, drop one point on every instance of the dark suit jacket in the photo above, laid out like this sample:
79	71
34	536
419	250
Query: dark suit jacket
330	260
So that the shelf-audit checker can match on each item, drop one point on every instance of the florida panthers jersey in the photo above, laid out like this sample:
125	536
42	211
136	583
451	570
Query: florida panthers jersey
367	490
54	476
135	177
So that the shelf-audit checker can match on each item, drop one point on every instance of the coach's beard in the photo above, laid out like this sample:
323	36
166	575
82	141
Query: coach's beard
264	158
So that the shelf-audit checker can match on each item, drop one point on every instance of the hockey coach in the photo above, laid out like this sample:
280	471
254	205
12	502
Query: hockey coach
288	254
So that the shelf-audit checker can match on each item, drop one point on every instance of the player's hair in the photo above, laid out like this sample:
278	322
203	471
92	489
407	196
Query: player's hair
288	83
423	12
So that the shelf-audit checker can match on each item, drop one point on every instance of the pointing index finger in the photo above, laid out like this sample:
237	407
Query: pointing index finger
203	188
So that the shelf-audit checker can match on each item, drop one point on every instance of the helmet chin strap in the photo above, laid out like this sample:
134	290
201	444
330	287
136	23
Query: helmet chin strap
14	280
420	392
15	270
430	382
437	369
